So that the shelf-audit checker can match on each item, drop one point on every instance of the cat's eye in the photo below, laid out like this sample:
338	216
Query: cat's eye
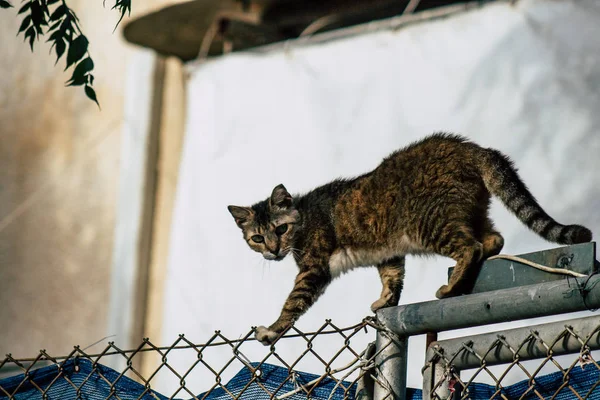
281	229
258	239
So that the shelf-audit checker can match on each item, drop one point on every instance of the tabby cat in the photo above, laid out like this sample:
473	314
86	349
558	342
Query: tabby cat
431	197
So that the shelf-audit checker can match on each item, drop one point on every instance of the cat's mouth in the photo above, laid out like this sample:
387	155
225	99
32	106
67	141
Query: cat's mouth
273	257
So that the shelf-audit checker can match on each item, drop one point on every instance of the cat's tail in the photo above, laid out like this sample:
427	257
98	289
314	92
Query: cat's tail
502	180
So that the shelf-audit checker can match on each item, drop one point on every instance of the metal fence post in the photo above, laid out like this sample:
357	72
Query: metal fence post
391	364
433	374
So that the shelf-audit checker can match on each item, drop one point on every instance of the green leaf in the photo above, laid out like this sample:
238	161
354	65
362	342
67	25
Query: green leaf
124	7
79	80
72	13
37	14
5	4
30	33
26	7
79	76
25	24
50	2
55	36
39	31
77	49
84	66
45	9
60	49
58	13
53	27
91	93
66	25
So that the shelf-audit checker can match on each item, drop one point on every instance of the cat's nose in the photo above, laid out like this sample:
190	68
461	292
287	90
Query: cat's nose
275	251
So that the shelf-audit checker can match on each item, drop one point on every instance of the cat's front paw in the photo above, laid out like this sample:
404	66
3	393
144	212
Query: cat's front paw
383	302
265	336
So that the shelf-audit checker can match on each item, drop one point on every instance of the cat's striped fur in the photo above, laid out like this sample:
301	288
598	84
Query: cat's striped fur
430	197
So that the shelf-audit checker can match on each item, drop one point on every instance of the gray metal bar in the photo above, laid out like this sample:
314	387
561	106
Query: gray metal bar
391	364
503	274
535	348
503	347
492	307
366	384
431	375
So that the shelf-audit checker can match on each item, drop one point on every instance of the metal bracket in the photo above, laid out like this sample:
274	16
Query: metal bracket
504	274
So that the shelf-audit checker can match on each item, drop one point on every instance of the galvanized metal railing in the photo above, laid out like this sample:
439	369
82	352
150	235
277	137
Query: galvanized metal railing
447	358
515	298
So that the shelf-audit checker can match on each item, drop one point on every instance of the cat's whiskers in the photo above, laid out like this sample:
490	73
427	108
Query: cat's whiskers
263	263
296	252
259	262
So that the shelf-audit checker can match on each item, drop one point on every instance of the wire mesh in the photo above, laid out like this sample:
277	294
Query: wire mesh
575	376
220	368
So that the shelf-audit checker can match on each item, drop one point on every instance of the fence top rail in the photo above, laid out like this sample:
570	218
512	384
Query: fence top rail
543	299
526	343
556	375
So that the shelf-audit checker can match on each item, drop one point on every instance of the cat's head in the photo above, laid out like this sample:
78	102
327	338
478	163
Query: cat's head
269	226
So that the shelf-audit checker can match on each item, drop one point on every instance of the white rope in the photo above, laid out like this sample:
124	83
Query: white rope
319	24
537	266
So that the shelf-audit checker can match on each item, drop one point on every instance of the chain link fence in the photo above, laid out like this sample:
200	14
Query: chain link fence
220	368
564	368
549	361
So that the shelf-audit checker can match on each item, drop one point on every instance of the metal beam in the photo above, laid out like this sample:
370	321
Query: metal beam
531	342
391	363
503	274
518	303
553	338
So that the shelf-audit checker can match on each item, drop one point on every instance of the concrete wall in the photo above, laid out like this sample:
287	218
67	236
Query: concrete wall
59	166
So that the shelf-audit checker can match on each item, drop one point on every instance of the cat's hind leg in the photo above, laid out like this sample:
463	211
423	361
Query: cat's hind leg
459	243
391	273
470	256
492	240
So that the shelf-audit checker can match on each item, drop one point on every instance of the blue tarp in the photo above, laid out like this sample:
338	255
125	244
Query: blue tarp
94	383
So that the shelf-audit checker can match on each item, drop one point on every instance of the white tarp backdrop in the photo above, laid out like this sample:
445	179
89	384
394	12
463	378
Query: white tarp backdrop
524	79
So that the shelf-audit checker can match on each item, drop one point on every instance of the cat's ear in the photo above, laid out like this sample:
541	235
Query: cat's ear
240	214
280	197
